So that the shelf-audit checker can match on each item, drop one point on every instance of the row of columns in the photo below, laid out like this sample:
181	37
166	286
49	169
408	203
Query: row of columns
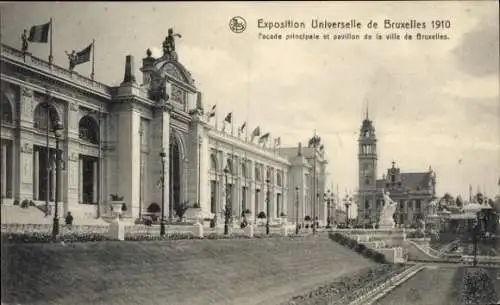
6	173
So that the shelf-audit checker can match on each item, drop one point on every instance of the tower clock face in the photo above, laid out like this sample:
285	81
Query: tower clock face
367	169
367	134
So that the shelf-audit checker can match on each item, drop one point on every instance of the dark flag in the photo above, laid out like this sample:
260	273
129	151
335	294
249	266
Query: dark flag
229	117
255	132
40	33
83	56
211	113
264	137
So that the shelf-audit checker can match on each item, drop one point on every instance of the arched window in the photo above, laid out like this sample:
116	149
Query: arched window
7	116
213	162
41	119
88	130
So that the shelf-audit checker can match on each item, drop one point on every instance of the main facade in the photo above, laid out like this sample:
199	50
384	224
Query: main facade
412	191
112	138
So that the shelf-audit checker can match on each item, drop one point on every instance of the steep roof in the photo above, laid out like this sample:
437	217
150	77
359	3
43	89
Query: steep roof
412	181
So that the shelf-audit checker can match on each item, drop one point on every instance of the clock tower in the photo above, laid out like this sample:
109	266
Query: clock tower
367	172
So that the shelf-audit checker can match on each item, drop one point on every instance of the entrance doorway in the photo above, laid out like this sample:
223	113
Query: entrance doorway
89	179
174	175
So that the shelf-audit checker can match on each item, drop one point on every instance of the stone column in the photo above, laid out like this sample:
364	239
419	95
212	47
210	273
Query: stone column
80	179
4	169
36	174
95	181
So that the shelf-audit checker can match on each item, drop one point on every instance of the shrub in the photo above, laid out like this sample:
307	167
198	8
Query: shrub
44	237
116	197
282	214
25	204
247	211
261	215
196	205
478	287
416	234
16	202
124	207
307	218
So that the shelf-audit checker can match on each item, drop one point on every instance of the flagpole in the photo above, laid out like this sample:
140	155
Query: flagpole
93	59
216	119
232	125
51	58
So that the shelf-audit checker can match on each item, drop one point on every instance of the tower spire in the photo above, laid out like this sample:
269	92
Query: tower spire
366	111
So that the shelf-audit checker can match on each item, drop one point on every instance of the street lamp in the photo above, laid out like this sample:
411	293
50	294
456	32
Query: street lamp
297	214
329	200
163	156
347	203
141	132
58	134
227	209
267	203
46	104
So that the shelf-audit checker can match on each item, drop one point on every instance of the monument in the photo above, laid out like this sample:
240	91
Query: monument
386	215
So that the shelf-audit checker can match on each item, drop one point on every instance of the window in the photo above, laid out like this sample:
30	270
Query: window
229	164
88	130
418	204
367	204
257	173
367	181
243	170
279	179
213	162
393	178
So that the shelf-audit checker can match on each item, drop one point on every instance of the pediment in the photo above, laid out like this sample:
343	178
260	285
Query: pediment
175	70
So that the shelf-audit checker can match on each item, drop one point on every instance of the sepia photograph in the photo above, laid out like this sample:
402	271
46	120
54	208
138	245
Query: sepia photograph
250	153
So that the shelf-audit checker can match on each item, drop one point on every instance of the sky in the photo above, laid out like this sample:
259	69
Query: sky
434	103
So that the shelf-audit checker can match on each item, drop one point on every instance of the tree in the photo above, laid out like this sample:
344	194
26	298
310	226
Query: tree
459	202
181	208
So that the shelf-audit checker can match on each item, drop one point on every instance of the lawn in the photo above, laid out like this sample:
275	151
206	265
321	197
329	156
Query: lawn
253	271
441	286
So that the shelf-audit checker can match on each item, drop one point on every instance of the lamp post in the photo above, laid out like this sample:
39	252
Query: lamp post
314	143
227	206
163	156
267	203
347	203
297	214
46	104
58	134
329	199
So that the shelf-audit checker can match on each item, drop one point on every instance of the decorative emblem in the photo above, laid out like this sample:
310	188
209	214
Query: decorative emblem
237	24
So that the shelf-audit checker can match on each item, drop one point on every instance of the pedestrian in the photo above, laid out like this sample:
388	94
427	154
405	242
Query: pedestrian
69	221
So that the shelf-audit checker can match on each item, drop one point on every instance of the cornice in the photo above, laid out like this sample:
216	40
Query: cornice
220	136
55	93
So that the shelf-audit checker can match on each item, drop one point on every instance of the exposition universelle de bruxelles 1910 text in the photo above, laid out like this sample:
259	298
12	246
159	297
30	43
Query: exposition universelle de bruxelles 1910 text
353	29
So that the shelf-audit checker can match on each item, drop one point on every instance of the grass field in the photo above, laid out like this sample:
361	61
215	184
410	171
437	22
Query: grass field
172	272
441	286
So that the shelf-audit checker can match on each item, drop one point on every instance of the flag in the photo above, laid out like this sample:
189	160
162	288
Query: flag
211	113
264	137
241	128
255	132
314	141
40	33
229	117
322	147
277	141
83	56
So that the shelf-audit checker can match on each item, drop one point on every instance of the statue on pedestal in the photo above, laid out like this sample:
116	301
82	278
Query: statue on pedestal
72	59
386	216
169	45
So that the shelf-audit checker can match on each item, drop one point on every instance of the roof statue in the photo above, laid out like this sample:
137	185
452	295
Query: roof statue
169	45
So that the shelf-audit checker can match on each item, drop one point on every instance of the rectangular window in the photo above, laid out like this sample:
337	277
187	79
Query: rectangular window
278	205
419	204
213	196
367	204
244	198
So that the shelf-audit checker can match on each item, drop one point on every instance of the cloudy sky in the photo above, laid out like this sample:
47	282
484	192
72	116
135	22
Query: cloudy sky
434	103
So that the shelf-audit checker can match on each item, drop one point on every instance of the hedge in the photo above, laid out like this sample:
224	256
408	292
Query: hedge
358	247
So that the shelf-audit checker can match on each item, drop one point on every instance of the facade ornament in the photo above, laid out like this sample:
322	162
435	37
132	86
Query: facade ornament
27	92
26	148
169	45
73	106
